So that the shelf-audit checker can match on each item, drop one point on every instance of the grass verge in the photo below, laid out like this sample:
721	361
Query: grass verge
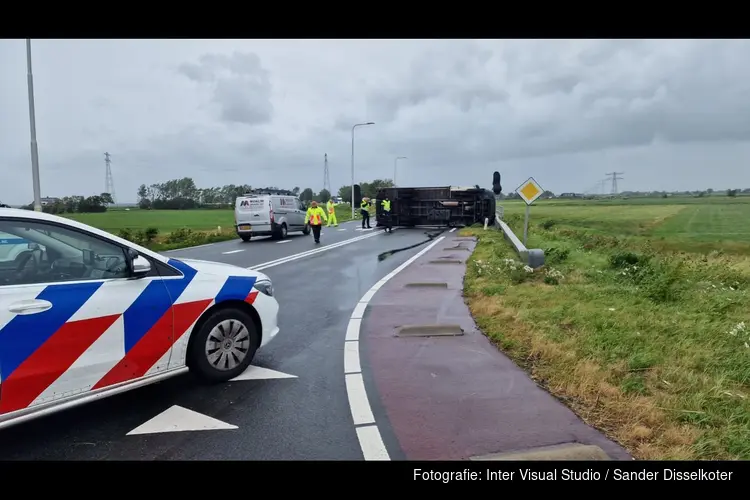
645	337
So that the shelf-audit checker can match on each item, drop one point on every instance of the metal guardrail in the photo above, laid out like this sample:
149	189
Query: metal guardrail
533	257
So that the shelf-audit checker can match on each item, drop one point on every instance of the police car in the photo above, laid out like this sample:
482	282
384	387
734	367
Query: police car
85	315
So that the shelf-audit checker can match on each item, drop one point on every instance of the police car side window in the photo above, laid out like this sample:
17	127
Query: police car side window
54	254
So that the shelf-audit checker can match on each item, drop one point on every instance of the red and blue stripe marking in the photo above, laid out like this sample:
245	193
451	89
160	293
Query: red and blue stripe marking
36	349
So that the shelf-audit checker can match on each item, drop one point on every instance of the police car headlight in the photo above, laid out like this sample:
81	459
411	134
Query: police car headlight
265	287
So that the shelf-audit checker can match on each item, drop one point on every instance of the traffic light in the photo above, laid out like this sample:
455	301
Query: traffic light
496	187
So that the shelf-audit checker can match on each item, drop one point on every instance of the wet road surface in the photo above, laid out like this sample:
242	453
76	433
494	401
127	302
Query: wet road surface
305	417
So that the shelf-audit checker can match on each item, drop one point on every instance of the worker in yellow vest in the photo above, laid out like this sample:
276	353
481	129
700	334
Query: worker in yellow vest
364	209
386	204
332	214
315	217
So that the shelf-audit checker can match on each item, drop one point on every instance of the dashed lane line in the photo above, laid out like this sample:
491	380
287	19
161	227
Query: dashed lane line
302	255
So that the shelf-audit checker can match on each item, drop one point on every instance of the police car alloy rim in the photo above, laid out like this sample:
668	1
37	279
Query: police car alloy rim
227	344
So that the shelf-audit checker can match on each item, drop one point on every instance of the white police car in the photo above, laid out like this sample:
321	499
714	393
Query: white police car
85	314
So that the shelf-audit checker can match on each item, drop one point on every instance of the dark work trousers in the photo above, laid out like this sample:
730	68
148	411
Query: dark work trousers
388	222
365	218
316	232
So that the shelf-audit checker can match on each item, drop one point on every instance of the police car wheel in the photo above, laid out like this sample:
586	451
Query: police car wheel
224	346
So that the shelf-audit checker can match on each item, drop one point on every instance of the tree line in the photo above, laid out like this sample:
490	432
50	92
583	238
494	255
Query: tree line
183	194
75	204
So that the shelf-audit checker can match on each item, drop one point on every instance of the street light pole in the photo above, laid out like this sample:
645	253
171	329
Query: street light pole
395	166
32	126
354	127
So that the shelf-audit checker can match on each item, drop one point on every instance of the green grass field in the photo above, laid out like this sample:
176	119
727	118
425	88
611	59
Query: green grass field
167	221
640	321
164	220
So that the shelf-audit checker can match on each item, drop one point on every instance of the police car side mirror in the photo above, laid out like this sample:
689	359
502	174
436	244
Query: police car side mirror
139	265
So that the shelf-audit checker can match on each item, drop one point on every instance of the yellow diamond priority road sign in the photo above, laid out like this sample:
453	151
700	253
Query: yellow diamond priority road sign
530	190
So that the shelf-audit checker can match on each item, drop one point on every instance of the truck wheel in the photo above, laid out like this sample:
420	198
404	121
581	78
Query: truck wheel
307	230
246	238
283	232
224	346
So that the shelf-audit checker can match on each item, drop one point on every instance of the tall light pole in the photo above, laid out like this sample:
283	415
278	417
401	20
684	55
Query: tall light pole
395	166
354	127
32	126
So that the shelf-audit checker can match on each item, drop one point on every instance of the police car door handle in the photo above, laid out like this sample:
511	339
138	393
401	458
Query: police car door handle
30	306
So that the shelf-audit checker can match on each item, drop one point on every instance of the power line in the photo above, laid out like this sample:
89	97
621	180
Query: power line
109	182
326	175
614	177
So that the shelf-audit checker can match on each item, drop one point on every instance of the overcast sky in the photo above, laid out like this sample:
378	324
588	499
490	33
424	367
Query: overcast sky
670	114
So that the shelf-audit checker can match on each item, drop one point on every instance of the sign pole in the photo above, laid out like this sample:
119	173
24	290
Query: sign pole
526	224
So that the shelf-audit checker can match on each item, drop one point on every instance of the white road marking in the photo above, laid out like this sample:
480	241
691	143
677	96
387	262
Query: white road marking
179	419
232	251
371	443
344	229
259	373
358	403
452	230
352	329
369	437
351	357
283	241
359	310
196	246
290	258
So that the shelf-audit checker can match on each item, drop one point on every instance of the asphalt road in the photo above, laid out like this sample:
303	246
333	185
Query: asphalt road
306	416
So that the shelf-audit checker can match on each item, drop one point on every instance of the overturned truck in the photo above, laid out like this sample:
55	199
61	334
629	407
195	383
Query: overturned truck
436	206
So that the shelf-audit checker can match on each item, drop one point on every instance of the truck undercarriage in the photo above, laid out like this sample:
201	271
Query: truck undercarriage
436	206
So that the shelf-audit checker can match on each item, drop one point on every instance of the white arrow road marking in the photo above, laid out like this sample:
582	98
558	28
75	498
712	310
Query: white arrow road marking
179	419
258	373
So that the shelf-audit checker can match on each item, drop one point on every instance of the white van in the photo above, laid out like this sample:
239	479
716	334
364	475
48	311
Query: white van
268	215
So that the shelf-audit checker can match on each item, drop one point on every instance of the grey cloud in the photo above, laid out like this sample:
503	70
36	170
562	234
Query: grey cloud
240	84
564	84
437	74
669	113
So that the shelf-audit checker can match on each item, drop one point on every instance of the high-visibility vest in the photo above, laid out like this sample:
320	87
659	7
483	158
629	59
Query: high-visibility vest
364	205
331	208
386	205
314	216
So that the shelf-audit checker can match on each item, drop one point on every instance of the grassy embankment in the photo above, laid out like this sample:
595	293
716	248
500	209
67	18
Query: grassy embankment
171	229
640	322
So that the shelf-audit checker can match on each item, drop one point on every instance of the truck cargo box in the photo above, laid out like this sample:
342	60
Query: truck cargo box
436	206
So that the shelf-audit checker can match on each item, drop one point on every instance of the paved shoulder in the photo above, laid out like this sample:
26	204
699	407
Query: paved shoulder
436	375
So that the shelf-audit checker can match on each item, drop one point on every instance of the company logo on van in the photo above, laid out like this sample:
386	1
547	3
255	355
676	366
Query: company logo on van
244	203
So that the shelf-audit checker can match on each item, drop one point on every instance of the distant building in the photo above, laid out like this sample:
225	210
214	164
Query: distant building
49	201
